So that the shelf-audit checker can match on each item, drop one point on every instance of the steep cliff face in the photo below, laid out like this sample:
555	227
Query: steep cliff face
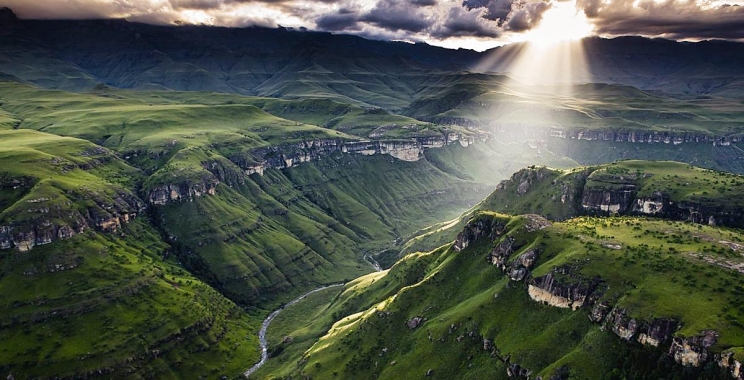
234	169
176	192
734	366
477	229
290	155
642	137
658	331
693	351
562	291
625	188
48	219
617	201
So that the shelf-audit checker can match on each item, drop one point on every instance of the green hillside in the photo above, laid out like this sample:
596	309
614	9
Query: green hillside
448	314
164	189
94	288
666	189
662	189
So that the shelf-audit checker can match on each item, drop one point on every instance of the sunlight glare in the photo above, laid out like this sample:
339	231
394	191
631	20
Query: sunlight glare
552	56
563	22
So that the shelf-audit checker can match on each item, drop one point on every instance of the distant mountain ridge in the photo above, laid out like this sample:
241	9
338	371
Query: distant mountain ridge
77	55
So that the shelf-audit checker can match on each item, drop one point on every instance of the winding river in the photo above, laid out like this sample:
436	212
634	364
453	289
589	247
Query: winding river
265	326
371	261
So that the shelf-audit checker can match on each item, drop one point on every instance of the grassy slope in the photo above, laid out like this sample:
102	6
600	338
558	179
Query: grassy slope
284	220
458	295
494	100
295	330
122	309
682	183
110	302
293	229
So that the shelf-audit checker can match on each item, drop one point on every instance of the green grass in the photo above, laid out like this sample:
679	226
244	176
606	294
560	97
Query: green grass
560	194
112	303
302	323
259	239
490	100
274	235
658	272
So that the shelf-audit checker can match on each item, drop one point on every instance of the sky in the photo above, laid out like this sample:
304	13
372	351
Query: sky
473	24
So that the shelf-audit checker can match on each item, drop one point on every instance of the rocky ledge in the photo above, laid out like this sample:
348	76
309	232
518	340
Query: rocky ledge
45	220
643	137
560	288
185	191
598	192
734	366
234	170
289	155
477	229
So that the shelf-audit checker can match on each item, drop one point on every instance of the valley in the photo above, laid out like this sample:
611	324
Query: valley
188	201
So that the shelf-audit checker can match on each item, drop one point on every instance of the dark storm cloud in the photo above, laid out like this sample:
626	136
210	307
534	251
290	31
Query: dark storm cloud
670	19
497	10
527	16
344	19
424	3
461	23
387	15
398	15
221	4
412	20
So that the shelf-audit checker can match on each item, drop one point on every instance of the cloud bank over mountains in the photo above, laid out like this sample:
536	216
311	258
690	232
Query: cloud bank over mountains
442	22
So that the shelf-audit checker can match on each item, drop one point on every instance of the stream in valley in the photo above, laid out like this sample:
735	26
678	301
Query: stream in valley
265	326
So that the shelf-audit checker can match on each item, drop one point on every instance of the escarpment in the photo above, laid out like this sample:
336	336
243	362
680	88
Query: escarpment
693	350
292	154
642	137
160	195
579	293
478	229
38	221
625	188
233	169
560	289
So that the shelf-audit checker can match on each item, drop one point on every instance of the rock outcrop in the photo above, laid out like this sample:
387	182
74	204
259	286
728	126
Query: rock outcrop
414	322
616	201
733	366
49	221
599	312
658	331
642	137
522	265
568	292
517	371
500	254
606	190
622	324
160	195
478	228
693	351
289	155
652	205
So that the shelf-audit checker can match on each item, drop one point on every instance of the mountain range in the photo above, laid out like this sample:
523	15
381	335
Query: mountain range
163	188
